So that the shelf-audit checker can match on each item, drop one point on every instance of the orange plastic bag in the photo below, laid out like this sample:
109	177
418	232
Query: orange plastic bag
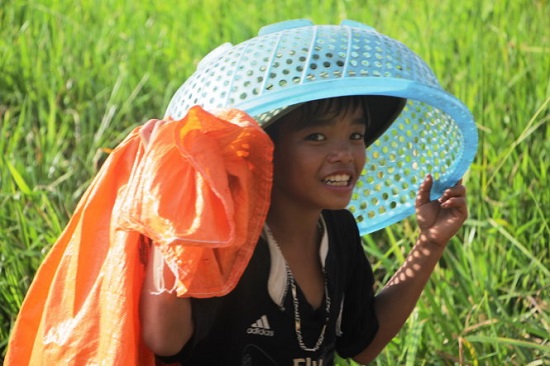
200	189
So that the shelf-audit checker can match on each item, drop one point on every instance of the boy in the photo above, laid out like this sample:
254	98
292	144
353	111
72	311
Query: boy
307	291
200	189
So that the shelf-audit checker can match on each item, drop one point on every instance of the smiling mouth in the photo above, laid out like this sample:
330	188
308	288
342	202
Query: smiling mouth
337	180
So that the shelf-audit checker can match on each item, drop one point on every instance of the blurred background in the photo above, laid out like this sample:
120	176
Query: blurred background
77	77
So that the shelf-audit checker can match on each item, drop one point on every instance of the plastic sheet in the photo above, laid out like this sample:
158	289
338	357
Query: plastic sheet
199	189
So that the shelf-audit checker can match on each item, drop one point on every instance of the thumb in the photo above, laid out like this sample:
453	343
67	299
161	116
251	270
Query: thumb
423	195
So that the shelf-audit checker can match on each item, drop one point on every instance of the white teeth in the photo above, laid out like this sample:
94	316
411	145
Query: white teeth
337	180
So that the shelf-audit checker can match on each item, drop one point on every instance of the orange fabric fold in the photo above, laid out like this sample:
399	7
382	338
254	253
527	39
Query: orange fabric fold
200	190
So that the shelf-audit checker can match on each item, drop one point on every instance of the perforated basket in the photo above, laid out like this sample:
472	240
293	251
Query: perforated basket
294	62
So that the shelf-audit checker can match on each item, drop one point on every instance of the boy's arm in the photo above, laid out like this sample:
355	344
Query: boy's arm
438	221
166	322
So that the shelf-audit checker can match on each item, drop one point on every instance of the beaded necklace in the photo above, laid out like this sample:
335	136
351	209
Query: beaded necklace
296	304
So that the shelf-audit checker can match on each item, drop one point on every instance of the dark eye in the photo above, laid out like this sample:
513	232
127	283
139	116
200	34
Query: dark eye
357	136
315	137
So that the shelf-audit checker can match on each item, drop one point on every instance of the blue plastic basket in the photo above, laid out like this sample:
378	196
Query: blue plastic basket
296	61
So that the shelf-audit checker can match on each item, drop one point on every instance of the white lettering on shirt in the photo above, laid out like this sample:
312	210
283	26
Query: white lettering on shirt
307	362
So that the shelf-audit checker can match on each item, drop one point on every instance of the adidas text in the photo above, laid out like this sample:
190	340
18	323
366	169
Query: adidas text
261	327
260	331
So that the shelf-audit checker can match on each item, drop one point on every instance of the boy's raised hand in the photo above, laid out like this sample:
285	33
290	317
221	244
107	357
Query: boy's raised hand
440	219
150	129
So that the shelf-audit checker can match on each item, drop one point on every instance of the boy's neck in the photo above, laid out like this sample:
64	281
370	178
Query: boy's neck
294	230
299	238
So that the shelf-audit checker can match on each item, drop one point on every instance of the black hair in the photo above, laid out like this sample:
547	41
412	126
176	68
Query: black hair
329	107
380	112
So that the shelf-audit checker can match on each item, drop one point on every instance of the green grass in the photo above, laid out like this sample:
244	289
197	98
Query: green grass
75	77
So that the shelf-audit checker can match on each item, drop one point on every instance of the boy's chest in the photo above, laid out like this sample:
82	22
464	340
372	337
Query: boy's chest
251	328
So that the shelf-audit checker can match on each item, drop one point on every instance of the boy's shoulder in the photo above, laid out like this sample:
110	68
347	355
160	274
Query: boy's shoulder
341	226
339	217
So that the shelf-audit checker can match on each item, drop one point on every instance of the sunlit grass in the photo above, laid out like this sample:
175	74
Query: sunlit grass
75	77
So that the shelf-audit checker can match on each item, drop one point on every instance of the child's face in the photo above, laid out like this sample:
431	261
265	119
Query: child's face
317	165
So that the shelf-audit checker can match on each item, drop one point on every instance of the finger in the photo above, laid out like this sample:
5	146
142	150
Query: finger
455	191
423	195
150	129
147	130
458	203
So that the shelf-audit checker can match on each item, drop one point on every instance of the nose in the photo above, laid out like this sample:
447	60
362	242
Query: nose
341	152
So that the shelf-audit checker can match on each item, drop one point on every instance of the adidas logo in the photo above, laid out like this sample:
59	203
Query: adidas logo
261	327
